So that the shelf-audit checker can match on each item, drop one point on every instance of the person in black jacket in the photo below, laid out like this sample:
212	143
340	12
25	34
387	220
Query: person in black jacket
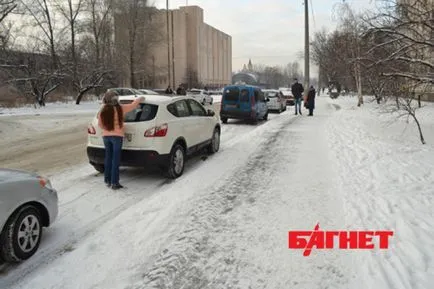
169	90
181	90
297	91
311	100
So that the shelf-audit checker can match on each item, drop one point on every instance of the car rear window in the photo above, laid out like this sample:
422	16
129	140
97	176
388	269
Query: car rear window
244	96
231	94
271	94
144	112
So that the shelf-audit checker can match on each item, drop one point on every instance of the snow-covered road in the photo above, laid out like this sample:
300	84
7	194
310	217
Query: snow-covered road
225	222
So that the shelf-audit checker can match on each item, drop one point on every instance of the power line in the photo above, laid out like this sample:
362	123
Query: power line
313	15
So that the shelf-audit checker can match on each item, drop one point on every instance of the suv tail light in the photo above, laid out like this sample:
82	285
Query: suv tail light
91	129
157	131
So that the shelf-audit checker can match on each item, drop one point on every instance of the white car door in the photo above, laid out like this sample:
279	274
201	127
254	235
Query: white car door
202	121
188	123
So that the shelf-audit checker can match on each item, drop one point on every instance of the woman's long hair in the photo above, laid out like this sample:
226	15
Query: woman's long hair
108	111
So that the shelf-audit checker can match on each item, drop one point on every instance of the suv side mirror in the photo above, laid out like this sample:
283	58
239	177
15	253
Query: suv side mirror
210	112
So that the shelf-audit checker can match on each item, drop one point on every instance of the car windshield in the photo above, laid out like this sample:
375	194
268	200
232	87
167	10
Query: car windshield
144	112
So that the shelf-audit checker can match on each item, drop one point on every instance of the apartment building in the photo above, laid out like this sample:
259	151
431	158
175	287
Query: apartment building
419	12
186	51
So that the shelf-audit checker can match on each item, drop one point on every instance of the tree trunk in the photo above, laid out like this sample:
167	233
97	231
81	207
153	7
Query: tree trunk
79	97
359	85
51	36
422	139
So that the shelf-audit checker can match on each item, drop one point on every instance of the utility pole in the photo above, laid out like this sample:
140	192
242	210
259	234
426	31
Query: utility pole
173	51
168	42
306	47
153	71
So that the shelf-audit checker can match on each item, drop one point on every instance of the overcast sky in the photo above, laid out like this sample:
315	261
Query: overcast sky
270	32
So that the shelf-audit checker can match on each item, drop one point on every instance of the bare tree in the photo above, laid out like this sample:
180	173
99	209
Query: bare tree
351	24
42	15
408	27
408	106
33	77
70	10
404	52
99	26
136	32
6	7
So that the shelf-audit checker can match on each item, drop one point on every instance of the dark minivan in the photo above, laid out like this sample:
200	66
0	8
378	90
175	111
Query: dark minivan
243	102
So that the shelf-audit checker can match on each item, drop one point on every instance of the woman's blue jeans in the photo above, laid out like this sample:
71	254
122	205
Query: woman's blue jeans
113	149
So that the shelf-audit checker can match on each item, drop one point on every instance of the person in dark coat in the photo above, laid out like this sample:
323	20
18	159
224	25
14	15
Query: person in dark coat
311	100
297	90
169	90
181	90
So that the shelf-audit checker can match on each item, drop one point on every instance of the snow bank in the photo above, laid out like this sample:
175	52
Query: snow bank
387	180
382	119
53	108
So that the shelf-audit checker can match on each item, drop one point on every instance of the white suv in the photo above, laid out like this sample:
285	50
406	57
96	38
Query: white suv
162	131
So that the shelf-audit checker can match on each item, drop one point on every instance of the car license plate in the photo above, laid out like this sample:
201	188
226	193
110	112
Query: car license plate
231	105
129	137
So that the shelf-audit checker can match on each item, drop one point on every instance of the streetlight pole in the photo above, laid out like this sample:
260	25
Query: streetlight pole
168	42
306	47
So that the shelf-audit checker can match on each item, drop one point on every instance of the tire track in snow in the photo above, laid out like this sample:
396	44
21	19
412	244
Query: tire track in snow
178	265
204	256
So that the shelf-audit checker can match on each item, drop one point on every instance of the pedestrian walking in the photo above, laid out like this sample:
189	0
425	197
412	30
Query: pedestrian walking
297	90
111	120
311	100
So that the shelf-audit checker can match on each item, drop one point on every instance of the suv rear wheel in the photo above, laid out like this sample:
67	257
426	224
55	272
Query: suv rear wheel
22	235
214	146
99	168
176	162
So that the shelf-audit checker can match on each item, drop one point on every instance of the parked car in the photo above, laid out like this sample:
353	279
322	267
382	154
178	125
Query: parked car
243	102
334	93
203	96
125	91
148	92
28	202
161	132
159	90
288	96
277	101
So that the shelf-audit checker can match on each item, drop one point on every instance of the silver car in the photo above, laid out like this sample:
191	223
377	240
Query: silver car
27	203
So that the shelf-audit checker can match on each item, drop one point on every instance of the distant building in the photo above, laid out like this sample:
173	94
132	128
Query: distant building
197	54
248	76
424	11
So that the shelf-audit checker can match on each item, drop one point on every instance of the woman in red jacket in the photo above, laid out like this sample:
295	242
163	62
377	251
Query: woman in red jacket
111	121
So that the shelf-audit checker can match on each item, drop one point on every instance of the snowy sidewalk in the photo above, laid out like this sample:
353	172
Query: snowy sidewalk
237	236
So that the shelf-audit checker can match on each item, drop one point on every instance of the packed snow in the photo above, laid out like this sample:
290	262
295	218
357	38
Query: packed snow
225	222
